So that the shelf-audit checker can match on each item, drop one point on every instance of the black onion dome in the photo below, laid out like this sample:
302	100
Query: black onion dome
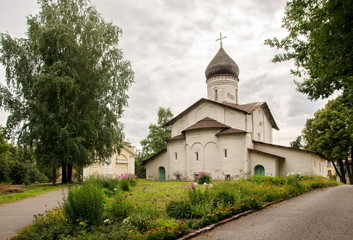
222	64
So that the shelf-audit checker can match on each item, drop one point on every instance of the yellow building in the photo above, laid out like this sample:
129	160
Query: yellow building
119	164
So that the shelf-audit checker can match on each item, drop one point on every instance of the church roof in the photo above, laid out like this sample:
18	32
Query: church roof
206	123
222	64
230	131
180	136
296	149
245	108
265	153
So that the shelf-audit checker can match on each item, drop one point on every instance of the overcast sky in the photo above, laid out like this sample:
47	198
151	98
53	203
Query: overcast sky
171	42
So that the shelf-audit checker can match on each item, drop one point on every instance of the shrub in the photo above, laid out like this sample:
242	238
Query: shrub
203	177
119	208
129	177
51	225
179	209
197	196
84	204
109	185
142	221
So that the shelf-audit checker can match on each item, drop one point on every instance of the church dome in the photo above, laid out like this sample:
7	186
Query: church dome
222	64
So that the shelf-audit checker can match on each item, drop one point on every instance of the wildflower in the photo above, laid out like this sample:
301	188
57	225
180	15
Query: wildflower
130	194
82	223
131	231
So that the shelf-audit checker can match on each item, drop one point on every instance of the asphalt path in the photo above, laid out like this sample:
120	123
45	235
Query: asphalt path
16	215
325	214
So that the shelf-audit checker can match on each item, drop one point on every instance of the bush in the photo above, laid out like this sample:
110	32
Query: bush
110	185
49	226
119	209
203	177
179	209
84	204
198	196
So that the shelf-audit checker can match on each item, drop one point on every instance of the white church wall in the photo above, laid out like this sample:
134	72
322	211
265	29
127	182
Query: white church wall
269	163
177	162
221	114
295	160
152	167
262	129
233	164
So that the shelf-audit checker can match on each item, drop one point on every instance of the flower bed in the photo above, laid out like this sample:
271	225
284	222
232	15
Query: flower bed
159	210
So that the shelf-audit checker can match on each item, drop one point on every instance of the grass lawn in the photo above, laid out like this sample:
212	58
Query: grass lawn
29	191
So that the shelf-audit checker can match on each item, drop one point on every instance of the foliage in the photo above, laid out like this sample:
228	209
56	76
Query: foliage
66	84
51	225
144	218
320	41
330	133
179	209
297	143
203	177
127	179
84	204
119	208
155	141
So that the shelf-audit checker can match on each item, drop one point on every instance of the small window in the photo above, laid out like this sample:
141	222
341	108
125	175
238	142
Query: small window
216	94
197	156
227	177
329	173
177	177
225	153
175	156
259	136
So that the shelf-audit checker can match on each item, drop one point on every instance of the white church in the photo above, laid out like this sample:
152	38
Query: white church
225	138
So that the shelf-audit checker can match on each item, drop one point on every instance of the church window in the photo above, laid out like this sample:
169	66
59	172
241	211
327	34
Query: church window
175	156
216	94
225	153
259	136
329	173
197	156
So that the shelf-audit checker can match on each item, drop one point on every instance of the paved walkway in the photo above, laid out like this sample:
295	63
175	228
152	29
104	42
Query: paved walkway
16	215
324	214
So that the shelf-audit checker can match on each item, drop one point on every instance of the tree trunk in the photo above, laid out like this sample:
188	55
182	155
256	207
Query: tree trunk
64	173
349	171
69	173
343	172
336	169
54	175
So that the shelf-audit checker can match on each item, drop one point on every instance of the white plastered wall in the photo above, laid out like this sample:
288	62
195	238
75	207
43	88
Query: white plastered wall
152	167
262	129
269	163
305	162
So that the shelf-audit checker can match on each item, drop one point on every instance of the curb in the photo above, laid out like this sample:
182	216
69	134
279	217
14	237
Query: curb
226	220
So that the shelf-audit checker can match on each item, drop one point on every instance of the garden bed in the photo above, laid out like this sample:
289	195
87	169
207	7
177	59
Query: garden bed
117	209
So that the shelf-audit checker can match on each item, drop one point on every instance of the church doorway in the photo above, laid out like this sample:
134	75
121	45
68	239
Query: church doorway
161	173
259	170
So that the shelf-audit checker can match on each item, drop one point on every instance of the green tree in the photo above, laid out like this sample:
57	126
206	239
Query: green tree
66	86
320	41
155	141
297	143
328	134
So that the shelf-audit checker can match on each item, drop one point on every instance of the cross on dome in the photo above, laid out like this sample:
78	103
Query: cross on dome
221	38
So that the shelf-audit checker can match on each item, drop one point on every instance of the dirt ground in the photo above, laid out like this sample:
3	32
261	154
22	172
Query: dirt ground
8	188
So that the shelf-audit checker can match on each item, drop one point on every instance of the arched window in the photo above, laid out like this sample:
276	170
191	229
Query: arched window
259	170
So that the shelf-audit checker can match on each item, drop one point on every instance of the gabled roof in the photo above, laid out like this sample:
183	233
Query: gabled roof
230	131
296	149
153	157
177	137
206	123
265	153
244	108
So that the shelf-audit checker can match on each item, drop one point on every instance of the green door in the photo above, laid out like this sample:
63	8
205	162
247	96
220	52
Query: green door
162	173
259	170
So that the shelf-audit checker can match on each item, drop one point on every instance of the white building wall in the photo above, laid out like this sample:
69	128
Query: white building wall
262	129
152	167
296	160
234	119
177	160
269	163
